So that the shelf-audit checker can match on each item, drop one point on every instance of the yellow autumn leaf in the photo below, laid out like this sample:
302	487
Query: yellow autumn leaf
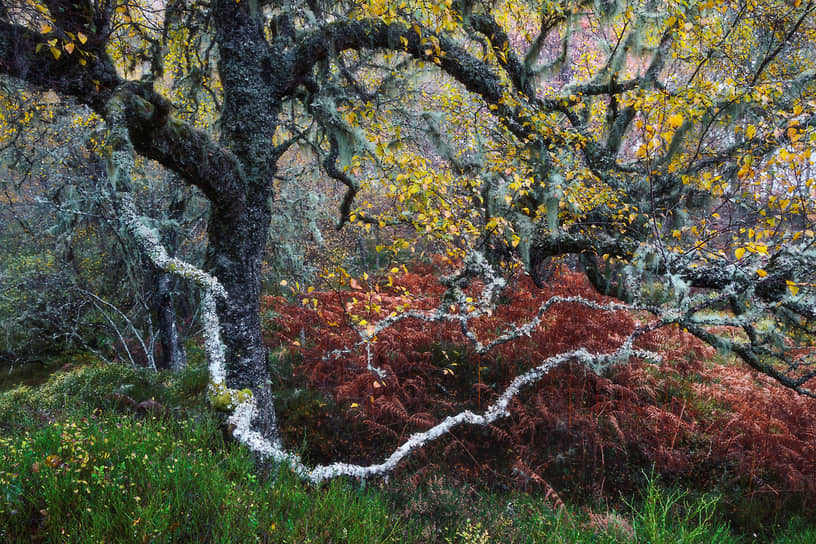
676	120
792	287
761	273
82	37
45	29
56	52
739	252
69	48
750	132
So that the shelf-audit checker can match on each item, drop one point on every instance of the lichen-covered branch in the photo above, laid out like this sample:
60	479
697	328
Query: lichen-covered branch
470	309
121	170
245	412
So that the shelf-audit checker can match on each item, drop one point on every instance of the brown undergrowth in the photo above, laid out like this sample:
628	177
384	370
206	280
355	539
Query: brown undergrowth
698	419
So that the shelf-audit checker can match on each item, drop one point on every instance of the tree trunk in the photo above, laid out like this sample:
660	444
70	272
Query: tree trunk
235	254
173	356
239	229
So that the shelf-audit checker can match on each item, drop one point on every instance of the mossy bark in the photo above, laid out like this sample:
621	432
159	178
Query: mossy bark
238	236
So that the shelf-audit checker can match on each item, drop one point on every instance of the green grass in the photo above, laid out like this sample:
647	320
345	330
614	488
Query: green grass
669	516
109	477
77	467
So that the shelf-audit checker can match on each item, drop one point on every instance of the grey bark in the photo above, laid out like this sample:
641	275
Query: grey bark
173	356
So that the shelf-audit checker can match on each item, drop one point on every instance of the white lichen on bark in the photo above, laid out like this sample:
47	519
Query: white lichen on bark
463	309
119	154
244	414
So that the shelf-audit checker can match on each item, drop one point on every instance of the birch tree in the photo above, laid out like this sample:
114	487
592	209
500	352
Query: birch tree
661	143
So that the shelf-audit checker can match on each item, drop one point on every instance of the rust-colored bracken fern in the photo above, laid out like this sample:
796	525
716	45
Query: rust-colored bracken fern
688	417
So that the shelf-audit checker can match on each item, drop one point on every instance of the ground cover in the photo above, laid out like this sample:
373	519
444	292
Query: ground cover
694	449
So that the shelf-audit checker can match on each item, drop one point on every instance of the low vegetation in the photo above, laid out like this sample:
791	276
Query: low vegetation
694	450
698	419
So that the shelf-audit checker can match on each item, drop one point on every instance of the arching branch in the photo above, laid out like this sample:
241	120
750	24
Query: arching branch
157	135
475	75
